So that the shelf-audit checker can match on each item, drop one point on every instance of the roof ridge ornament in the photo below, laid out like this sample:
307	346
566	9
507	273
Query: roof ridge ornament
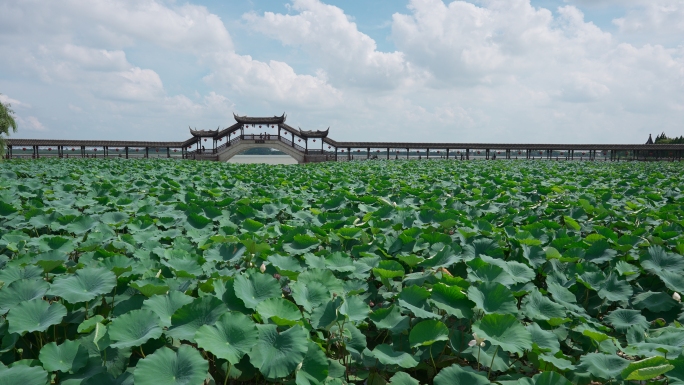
260	120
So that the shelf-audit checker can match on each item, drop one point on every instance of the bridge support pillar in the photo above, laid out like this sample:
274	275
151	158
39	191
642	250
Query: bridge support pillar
387	153
447	154
467	154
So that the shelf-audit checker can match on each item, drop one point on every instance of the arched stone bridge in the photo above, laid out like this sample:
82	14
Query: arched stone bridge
316	146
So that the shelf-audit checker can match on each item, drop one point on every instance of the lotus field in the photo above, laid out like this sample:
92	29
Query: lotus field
400	272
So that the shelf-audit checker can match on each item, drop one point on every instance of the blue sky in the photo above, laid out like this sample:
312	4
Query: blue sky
603	71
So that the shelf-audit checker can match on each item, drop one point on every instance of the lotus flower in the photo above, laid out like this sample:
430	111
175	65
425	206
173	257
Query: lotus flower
263	267
477	341
677	297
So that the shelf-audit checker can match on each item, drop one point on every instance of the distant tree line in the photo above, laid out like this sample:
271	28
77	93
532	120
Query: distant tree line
663	139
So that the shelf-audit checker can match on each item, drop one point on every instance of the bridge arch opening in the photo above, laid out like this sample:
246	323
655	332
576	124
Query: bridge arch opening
264	155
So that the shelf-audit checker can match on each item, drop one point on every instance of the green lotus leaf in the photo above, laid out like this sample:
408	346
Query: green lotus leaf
279	309
89	324
285	263
50	260
256	288
603	366
452	300
276	355
354	308
414	298
114	218
314	368
646	369
84	285
23	375
182	367
227	292
323	317
657	260
558	362
20	291
655	302
387	356
134	328
189	318
428	332
456	375
493	297
600	252
165	305
301	244
70	356
340	262
504	330
34	315
224	252
47	243
389	269
444	258
150	286
251	225
550	378
544	339
233	336
184	267
623	319
615	290
540	307
390	318
402	378
10	274
674	280
81	225
310	295
324	277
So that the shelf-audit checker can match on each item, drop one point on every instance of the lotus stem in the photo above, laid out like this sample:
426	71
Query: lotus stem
492	363
479	349
225	381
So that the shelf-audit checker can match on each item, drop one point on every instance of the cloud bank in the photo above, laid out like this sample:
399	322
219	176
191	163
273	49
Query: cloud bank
486	70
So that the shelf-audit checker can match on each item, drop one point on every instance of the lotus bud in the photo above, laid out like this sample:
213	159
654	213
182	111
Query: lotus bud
477	341
263	267
158	274
677	297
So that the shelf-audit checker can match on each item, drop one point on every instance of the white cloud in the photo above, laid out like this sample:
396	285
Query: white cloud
30	123
274	81
325	31
654	16
4	99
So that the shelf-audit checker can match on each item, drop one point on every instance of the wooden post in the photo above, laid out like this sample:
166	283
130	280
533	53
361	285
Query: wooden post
168	152
367	152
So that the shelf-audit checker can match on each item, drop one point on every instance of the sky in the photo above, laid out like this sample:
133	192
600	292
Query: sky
519	71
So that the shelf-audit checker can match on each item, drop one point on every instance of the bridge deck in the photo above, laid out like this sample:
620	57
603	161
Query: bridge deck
336	150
